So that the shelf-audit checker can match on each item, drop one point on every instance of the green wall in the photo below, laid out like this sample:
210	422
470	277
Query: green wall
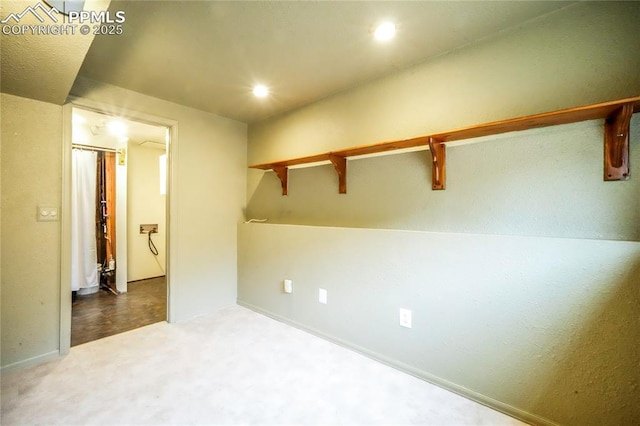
538	319
545	329
31	176
544	182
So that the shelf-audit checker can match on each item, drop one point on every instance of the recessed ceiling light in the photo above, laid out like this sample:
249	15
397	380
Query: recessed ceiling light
385	31
260	91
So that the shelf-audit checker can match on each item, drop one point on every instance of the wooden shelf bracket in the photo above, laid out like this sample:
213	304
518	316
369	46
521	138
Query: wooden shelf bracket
340	164
438	167
616	144
283	174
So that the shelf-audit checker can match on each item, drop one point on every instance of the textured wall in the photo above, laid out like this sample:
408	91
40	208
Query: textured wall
542	182
544	328
31	176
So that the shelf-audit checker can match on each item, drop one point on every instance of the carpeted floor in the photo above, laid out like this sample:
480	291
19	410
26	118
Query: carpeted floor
232	367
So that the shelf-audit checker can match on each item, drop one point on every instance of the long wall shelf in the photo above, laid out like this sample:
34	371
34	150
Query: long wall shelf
617	115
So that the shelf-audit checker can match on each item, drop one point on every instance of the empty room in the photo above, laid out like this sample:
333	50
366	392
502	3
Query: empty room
320	212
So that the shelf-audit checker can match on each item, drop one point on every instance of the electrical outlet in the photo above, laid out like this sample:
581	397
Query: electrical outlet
405	318
287	286
322	296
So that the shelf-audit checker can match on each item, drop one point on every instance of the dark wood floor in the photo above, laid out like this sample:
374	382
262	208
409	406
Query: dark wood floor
104	314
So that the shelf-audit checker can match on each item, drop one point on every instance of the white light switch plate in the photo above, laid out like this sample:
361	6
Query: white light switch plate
287	286
47	214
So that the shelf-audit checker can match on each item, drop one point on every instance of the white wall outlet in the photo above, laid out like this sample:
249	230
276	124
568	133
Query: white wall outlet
47	214
322	296
287	286
405	318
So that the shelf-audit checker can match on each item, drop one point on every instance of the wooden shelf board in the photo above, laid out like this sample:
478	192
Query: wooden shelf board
292	162
565	116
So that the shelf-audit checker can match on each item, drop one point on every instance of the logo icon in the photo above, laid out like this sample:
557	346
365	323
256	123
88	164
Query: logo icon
34	11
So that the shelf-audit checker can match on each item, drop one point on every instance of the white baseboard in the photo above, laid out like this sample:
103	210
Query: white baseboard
437	381
29	362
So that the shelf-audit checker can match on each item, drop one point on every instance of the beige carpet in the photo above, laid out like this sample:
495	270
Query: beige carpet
232	367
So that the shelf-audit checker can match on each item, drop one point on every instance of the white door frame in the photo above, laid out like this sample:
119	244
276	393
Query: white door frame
171	204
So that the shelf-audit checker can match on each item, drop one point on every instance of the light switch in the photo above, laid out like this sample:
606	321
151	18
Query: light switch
47	214
288	286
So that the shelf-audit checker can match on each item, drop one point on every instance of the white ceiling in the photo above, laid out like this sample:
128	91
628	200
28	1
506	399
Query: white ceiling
207	55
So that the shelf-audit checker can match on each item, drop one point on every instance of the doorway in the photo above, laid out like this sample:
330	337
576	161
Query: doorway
118	224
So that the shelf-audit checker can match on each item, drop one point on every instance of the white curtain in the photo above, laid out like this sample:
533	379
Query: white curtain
84	258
